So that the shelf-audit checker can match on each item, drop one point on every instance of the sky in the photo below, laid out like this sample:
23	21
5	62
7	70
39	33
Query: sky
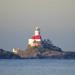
18	19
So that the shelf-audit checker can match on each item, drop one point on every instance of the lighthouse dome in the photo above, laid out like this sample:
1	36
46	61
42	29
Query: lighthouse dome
37	28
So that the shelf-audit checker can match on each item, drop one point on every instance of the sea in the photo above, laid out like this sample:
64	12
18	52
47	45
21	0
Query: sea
37	67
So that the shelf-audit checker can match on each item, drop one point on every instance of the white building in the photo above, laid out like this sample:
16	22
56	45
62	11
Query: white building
15	50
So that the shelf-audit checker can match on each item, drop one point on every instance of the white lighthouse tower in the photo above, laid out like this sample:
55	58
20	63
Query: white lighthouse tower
37	31
36	39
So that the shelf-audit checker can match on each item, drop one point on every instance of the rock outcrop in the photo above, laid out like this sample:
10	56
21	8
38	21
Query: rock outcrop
36	53
8	55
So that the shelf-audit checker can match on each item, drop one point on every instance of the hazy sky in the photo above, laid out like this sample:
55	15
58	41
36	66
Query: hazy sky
18	18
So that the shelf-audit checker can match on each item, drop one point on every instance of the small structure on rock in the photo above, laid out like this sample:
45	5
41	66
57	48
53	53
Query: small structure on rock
16	50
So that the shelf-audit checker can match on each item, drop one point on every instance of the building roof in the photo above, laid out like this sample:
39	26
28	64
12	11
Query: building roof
36	37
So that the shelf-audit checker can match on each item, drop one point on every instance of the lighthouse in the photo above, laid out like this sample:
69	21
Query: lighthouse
36	38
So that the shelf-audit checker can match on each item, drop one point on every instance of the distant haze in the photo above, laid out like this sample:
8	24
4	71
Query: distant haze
18	19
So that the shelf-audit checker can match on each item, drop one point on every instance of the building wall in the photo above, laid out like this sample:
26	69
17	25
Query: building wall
33	42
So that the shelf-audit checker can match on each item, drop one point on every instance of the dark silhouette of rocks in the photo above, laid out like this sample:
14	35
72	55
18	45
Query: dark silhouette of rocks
35	53
7	55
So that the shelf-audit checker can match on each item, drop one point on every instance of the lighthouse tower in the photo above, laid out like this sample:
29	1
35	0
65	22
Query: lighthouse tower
36	39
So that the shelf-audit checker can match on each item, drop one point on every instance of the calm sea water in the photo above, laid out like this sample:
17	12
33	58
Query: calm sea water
37	67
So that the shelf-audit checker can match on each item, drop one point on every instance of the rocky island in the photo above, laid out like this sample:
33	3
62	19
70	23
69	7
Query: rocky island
37	53
38	48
